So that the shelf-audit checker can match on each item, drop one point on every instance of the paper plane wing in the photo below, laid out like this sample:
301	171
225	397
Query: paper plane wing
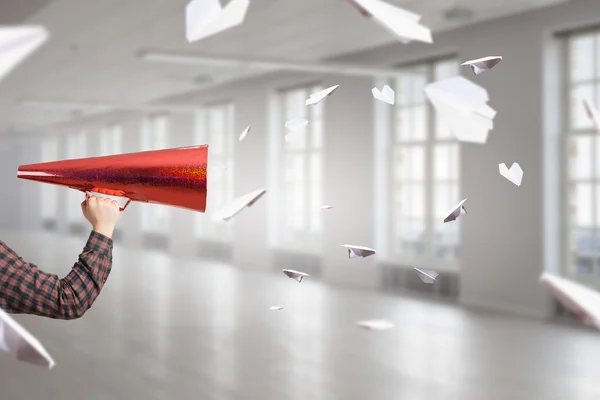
386	95
359	251
456	212
17	43
295	124
245	133
579	299
237	205
316	98
592	112
401	23
514	174
297	275
16	340
376	325
205	18
483	64
427	275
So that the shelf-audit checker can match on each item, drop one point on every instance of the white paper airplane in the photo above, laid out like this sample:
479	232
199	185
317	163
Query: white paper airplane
326	207
514	174
579	299
297	275
204	18
17	43
245	133
295	124
316	98
462	106
401	23
359	251
456	212
427	275
483	64
592	113
237	205
376	324
386	95
275	308
21	344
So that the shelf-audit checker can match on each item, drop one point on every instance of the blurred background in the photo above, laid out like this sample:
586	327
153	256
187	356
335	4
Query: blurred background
185	313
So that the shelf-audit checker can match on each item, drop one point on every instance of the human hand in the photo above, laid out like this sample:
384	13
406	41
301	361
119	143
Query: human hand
102	214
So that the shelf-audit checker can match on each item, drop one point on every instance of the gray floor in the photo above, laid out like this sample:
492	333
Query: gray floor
166	329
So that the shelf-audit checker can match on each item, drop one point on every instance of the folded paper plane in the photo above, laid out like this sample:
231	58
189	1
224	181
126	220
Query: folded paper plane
316	98
245	133
427	275
296	124
204	18
326	207
376	324
297	275
21	344
456	212
17	43
386	95
401	23
276	308
592	113
462	106
359	251
483	64
236	206
579	299
514	174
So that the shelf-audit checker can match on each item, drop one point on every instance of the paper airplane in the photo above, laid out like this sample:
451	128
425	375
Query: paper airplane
17	43
376	324
456	212
401	23
245	133
514	174
295	124
427	275
204	18
579	299
326	207
16	340
592	113
461	105
483	64
275	308
316	98
237	205
359	251
386	95
297	275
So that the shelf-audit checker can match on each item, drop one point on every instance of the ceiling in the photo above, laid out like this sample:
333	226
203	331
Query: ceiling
92	54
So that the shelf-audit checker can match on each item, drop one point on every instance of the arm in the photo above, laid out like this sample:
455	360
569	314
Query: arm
25	289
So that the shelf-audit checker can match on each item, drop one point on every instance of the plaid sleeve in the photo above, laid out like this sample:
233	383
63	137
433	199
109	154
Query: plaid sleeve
25	289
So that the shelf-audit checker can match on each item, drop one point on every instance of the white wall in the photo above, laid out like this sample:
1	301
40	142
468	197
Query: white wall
502	251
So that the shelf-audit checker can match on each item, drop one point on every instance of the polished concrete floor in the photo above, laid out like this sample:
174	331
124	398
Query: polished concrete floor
169	329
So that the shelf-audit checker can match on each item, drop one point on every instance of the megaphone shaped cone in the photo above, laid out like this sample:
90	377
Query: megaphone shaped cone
174	177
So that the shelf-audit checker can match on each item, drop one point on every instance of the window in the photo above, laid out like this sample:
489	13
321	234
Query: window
76	148
424	173
111	141
49	207
215	127
582	216
155	130
297	172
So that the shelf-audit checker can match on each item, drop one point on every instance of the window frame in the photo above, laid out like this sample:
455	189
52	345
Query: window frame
568	254
430	182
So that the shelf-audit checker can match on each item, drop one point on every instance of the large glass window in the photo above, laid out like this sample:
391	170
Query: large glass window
583	158
215	127
299	171
424	172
